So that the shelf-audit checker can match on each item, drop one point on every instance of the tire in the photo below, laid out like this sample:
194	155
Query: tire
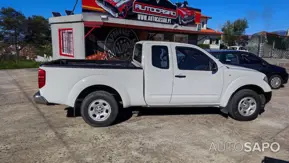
272	81
96	105
244	95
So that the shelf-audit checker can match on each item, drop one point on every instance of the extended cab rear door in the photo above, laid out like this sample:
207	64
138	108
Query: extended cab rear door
158	73
195	81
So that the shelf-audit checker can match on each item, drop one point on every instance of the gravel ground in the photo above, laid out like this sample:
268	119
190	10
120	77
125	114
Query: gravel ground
39	133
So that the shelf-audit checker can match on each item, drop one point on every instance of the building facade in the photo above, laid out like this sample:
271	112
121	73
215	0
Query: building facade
109	29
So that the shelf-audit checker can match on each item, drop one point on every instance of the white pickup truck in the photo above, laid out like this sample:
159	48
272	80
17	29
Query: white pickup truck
160	74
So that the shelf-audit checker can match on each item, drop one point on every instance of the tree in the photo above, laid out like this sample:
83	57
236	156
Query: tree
19	31
12	28
39	34
38	31
232	31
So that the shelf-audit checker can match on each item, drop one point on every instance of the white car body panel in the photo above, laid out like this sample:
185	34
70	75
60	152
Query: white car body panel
63	85
158	82
237	77
190	90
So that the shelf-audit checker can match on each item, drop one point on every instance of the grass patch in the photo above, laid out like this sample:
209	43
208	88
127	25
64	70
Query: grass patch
19	64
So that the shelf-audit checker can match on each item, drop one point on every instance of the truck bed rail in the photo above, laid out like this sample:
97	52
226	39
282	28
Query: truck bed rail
81	63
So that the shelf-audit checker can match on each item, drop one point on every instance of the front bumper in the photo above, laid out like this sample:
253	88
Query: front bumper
39	99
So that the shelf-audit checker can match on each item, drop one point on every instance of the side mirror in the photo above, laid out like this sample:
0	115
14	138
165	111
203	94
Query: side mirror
214	66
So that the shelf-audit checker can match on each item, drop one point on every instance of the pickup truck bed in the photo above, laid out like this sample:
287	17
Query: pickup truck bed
74	76
103	64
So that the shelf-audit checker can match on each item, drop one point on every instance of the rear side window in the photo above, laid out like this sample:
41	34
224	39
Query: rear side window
137	54
160	57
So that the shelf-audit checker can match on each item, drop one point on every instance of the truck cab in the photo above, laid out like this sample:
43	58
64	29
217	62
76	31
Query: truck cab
176	74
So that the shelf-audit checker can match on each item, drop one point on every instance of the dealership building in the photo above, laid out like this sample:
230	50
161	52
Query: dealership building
109	30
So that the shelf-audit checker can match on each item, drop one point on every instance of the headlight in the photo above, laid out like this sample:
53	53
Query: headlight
265	79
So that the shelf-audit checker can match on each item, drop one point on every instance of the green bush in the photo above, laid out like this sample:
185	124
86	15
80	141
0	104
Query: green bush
19	64
204	46
44	49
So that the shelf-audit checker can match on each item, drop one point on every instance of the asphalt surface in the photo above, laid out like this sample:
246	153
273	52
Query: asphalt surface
39	133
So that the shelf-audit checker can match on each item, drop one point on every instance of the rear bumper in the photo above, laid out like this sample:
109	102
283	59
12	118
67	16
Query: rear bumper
39	99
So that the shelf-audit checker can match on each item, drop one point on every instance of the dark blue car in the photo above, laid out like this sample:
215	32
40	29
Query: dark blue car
277	76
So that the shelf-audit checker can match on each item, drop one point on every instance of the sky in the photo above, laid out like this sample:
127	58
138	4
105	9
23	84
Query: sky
262	15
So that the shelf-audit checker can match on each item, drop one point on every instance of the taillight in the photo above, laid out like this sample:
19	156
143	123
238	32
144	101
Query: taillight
41	78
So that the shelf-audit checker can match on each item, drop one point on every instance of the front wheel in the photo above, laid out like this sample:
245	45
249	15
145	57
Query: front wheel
99	109
275	81
245	105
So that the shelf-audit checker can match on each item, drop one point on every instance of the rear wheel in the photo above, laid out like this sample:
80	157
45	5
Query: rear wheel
245	105
275	81
99	109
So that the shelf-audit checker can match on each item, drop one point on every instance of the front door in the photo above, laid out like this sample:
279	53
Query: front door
158	73
194	81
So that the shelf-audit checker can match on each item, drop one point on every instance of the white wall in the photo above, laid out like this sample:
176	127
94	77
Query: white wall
205	39
78	40
205	20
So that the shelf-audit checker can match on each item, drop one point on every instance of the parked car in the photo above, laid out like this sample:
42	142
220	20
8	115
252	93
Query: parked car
277	75
161	74
240	48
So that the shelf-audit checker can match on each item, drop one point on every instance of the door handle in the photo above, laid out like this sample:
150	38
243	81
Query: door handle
180	76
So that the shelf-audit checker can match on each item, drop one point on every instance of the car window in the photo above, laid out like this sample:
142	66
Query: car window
192	59
160	57
248	58
138	52
229	58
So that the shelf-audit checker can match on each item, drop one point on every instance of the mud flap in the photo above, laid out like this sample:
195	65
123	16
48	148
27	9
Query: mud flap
224	110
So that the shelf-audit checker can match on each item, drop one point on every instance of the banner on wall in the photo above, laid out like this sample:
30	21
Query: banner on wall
160	11
115	44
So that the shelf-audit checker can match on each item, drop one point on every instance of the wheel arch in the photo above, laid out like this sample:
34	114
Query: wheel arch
99	87
229	95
